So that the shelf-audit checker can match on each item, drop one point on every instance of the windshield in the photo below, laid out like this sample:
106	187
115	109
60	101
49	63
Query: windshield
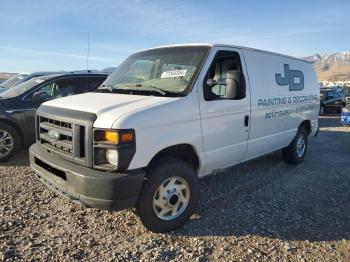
322	93
13	81
162	71
346	91
21	88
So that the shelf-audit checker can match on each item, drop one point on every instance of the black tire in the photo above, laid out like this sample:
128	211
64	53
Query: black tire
161	170
340	108
4	154
290	153
322	110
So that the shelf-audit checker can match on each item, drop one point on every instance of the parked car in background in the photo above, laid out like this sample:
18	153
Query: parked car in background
346	94
345	115
344	91
18	105
22	77
12	81
331	101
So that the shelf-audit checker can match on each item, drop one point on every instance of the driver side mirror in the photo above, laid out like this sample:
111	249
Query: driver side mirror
40	97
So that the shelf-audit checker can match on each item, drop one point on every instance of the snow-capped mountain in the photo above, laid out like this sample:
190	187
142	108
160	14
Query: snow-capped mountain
331	67
336	58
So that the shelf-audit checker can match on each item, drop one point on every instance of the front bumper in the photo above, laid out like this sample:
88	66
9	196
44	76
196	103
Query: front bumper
86	186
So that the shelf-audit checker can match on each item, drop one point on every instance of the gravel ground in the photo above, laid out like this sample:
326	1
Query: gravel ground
263	210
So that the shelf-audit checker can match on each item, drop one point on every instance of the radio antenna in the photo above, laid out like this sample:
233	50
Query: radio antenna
88	52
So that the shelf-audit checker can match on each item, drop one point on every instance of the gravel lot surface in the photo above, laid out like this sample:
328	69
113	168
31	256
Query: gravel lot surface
263	210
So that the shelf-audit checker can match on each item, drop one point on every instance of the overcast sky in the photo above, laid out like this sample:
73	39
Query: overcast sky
52	35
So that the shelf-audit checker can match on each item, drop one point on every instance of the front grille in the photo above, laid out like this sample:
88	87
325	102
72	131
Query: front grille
64	138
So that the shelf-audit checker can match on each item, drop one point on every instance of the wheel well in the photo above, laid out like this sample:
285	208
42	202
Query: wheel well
185	152
15	127
307	125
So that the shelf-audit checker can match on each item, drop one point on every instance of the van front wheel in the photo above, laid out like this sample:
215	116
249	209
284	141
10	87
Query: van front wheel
295	152
169	195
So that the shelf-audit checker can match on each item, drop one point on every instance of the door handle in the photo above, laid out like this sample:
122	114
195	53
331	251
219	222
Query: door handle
246	120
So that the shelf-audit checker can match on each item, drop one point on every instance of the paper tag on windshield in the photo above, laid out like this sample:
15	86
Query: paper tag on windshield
39	81
173	73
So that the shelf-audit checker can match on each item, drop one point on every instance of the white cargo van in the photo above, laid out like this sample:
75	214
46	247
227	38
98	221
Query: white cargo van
169	116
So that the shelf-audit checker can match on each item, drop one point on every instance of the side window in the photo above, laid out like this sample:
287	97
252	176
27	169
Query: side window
331	94
81	85
56	89
95	82
45	91
224	61
64	87
88	84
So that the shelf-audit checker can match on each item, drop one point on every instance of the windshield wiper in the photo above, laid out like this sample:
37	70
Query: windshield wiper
106	87
136	87
157	89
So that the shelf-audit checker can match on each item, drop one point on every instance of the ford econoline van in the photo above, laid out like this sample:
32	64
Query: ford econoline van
169	116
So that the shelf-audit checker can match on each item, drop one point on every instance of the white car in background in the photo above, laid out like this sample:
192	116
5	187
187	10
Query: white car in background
22	77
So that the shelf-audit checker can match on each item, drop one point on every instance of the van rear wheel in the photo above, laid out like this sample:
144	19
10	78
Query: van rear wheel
295	152
169	195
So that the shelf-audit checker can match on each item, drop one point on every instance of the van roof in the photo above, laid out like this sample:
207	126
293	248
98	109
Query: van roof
234	46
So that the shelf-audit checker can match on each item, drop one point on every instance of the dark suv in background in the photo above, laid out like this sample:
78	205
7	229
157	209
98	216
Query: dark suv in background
331	101
18	105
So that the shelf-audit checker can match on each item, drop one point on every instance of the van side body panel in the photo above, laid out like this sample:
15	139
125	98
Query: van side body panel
284	93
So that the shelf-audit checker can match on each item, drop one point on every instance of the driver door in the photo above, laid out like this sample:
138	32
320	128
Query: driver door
225	123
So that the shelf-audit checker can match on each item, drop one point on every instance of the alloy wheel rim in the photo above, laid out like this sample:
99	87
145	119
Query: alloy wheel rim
301	146
6	143
171	198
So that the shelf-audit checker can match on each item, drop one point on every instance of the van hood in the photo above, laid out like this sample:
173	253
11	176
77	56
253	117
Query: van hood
108	107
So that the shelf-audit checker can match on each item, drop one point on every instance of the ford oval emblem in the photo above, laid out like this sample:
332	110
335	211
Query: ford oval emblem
54	135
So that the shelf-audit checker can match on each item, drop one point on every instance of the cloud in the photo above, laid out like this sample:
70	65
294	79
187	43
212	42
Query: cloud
118	28
49	53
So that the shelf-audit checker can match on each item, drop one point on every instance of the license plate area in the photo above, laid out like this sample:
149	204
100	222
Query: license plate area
52	170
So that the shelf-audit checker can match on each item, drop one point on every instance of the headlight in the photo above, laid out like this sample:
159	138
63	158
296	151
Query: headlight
113	149
112	156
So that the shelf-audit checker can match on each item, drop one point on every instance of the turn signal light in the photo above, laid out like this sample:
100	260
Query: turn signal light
114	137
127	137
111	136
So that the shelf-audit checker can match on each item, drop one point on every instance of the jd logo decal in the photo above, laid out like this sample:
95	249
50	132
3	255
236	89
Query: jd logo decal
293	78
